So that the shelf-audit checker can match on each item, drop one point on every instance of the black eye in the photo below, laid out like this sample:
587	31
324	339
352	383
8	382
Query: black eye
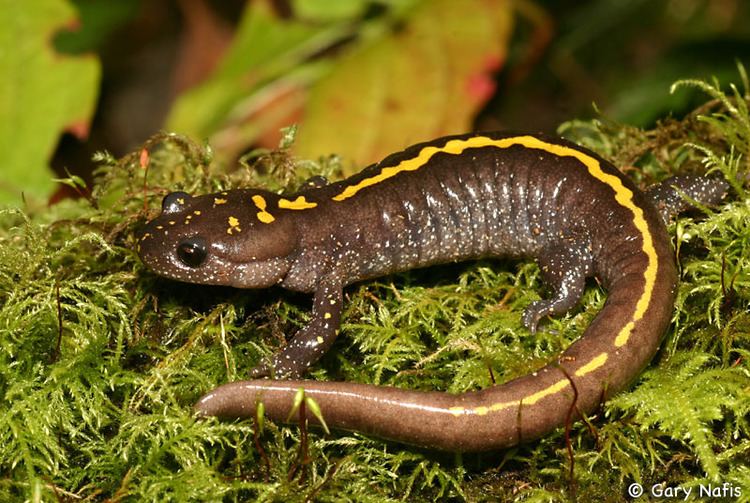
174	202
315	182
192	251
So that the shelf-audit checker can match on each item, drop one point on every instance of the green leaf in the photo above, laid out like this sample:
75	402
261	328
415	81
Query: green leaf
422	79
265	49
367	86
42	93
98	20
329	9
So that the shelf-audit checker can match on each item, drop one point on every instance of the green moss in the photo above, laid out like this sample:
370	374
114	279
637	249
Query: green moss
101	361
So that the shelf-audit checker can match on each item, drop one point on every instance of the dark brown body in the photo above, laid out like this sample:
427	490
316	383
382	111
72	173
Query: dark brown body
455	198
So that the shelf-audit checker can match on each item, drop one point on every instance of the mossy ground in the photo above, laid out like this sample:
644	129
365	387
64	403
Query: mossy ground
101	361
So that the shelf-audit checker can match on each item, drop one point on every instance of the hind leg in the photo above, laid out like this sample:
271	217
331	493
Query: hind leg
565	270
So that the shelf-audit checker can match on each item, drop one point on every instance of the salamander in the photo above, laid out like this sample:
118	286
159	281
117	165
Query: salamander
455	198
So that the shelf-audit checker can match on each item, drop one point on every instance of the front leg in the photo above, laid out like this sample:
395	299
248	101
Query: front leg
312	341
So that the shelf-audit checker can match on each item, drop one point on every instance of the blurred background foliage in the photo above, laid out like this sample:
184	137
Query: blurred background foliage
362	78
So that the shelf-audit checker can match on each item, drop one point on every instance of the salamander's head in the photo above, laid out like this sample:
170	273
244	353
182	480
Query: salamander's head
236	238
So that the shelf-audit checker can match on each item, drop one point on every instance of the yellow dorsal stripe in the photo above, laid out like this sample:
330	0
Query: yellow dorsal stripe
623	197
594	364
498	406
549	390
298	204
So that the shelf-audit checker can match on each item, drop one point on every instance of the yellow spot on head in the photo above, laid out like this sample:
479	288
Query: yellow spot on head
263	215
197	212
218	200
298	204
234	225
260	202
320	340
327	316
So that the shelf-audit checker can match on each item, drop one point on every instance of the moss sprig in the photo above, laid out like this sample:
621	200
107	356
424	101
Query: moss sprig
101	361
